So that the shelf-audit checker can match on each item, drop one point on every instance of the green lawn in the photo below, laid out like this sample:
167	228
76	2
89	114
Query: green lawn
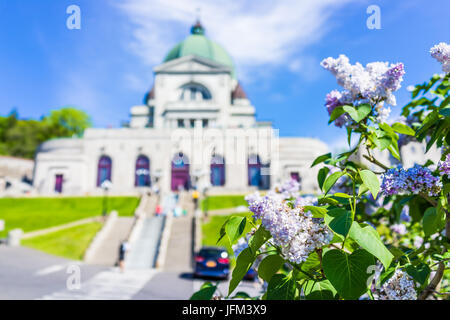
223	202
31	214
211	230
68	243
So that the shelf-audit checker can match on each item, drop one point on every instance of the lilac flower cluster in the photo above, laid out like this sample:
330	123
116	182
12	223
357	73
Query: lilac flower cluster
444	166
415	180
373	84
399	287
289	189
297	233
441	52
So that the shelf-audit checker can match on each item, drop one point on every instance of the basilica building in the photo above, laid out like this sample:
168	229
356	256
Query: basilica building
196	129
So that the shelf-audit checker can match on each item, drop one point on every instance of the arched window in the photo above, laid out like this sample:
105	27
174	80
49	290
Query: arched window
104	170
194	92
142	174
180	172
254	170
217	171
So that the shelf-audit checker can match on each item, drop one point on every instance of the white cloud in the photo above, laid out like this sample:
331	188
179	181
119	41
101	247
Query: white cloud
255	33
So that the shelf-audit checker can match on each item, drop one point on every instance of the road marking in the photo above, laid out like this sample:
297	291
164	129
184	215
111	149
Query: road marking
48	270
107	285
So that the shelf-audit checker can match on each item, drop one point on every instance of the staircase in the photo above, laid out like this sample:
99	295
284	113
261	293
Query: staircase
107	252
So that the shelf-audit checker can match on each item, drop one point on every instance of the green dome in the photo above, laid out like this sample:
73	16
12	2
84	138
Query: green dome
199	45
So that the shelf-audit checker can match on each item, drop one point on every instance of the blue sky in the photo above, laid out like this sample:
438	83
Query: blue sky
106	67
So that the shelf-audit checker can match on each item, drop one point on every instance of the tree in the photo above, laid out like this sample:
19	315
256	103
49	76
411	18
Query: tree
66	122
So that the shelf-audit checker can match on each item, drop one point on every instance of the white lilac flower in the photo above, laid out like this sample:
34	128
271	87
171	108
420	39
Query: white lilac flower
399	228
376	82
297	233
383	114
441	52
399	287
306	200
418	241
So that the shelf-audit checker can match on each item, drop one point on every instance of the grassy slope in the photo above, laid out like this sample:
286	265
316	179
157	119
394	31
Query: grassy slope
31	214
211	230
69	243
224	202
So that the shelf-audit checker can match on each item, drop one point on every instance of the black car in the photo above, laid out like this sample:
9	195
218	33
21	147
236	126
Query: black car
212	262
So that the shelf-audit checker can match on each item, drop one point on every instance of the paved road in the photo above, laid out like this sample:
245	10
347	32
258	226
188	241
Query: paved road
30	274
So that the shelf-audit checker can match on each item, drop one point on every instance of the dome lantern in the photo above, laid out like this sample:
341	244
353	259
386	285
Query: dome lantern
197	28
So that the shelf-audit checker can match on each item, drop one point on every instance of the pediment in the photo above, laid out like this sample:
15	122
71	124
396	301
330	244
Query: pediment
192	64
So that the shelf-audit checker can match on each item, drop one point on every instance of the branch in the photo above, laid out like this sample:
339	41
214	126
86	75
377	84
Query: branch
434	282
375	161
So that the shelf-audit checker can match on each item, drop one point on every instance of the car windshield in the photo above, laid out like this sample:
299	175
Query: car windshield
212	253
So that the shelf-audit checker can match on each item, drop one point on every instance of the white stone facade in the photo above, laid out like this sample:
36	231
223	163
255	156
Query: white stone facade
195	108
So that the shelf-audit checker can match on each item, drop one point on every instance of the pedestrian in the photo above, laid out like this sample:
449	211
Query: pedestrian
158	210
195	196
123	248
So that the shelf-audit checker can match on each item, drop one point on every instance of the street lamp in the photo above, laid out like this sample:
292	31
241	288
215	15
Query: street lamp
106	185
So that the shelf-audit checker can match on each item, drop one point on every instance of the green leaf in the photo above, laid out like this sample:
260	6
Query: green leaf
362	189
432	221
336	113
403	129
206	292
223	231
321	159
368	238
339	220
331	180
321	176
258	239
419	272
317	212
235	228
241	295
244	262
358	113
342	195
281	287
371	181
269	266
348	272
445	112
319	290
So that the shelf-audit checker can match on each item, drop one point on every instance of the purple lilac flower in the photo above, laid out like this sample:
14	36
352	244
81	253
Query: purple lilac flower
441	52
444	167
415	180
393	77
404	215
333	100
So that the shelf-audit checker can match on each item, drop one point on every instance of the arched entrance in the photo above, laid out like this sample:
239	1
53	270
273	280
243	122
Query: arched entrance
142	173
104	170
217	171
180	172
